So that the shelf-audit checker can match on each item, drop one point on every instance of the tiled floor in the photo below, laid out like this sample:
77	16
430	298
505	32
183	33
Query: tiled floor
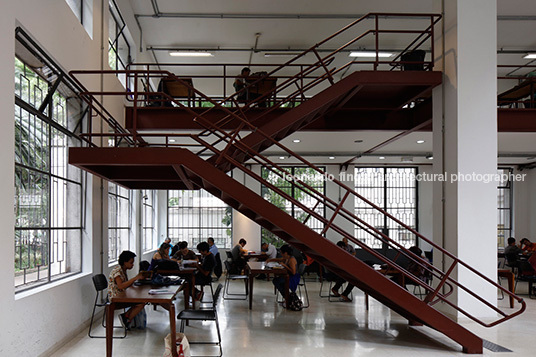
325	329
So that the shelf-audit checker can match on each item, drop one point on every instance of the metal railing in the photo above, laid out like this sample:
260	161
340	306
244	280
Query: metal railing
214	140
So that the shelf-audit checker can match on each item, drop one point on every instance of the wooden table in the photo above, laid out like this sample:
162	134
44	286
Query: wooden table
140	295
256	268
507	273
189	275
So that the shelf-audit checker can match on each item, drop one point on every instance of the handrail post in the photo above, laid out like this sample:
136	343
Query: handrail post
335	213
377	41
433	294
330	78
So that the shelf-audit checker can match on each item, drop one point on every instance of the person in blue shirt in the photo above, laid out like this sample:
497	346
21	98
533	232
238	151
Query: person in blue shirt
213	249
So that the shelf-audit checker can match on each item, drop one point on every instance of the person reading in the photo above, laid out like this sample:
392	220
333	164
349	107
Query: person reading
119	282
291	265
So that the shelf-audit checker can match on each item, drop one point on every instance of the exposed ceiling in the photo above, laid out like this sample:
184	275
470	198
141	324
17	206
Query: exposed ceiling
241	32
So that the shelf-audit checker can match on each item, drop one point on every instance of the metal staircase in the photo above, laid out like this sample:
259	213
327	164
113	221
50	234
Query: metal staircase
202	159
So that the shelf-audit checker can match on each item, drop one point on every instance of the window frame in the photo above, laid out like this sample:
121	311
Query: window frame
116	196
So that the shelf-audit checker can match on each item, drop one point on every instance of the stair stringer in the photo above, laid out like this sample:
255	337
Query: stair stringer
334	258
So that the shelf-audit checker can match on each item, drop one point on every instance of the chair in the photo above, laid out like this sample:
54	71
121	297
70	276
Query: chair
205	314
301	271
217	268
331	278
228	277
101	283
525	272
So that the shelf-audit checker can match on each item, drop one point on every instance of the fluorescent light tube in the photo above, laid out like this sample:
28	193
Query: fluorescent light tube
190	54
369	54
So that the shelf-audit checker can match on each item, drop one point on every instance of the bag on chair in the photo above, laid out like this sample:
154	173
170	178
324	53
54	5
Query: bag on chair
294	302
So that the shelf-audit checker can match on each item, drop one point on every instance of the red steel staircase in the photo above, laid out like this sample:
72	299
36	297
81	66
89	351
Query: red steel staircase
201	160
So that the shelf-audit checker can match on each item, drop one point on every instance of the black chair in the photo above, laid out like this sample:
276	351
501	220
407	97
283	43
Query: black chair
301	271
228	277
217	268
204	314
101	283
331	278
525	272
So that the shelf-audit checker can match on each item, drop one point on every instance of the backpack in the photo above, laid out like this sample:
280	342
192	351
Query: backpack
294	302
140	320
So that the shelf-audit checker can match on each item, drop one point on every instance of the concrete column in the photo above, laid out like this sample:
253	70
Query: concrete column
465	144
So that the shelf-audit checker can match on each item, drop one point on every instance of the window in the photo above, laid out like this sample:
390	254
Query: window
118	46
119	221
83	10
48	191
395	191
504	207
305	174
193	216
148	220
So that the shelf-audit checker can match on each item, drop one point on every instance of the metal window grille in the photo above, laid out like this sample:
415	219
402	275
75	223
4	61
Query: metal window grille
504	207
118	47
48	192
119	221
292	188
193	216
394	189
148	220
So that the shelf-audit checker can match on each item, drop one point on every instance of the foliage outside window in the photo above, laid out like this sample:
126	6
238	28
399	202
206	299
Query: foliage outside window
148	220
195	215
48	191
394	189
301	194
504	207
119	221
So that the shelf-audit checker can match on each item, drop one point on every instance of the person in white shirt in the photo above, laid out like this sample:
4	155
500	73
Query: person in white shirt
269	250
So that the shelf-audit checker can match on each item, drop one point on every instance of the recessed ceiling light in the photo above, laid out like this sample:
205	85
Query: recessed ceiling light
420	141
296	140
332	157
190	54
369	54
382	158
172	140
358	141
430	157
530	56
282	157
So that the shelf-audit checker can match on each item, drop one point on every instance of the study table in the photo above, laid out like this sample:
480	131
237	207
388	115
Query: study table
255	268
189	274
140	295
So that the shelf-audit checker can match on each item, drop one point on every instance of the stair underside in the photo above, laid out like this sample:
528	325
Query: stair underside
152	168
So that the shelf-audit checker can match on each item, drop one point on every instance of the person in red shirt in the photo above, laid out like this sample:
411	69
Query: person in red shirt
527	246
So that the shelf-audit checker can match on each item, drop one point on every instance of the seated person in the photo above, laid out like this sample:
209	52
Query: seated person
240	255
119	282
347	246
168	241
161	254
183	253
527	246
240	83
340	281
216	254
290	264
269	250
511	251
414	267
205	268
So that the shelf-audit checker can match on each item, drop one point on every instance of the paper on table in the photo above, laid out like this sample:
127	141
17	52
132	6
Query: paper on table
273	265
160	291
189	261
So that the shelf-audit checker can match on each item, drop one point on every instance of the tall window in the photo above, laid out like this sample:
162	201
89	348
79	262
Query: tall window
119	221
504	207
193	216
300	194
118	46
48	191
148	220
83	10
395	191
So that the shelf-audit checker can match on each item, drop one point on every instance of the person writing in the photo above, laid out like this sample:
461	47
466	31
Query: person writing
239	254
183	253
291	265
527	246
205	267
119	282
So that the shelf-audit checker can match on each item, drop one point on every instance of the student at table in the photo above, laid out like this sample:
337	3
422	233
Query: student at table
269	250
240	84
340	281
212	245
168	241
204	268
240	254
527	246
183	253
161	254
216	254
290	264
119	282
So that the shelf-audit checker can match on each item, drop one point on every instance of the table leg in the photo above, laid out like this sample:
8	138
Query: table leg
192	288
511	287
186	292
251	278
110	308
173	329
287	280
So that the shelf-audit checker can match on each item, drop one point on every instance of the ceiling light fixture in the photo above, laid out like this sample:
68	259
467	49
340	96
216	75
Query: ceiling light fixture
382	158
332	157
420	141
190	54
530	56
172	140
358	141
282	157
369	54
296	141
430	157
